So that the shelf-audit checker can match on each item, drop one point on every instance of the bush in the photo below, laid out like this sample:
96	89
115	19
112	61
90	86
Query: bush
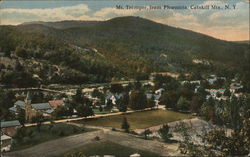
164	133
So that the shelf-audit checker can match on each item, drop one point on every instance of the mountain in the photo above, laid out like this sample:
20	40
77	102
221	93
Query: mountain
63	24
123	47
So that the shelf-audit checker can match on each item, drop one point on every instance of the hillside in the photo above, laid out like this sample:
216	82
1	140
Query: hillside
123	47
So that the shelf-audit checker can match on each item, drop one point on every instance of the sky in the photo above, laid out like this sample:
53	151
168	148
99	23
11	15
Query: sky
226	24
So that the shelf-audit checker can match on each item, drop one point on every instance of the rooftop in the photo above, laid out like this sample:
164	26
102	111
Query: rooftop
20	103
41	106
56	103
12	123
5	137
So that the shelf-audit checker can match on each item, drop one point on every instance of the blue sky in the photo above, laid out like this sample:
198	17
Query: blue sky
224	24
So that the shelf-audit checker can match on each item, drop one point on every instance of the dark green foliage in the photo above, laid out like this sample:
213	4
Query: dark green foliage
100	108
164	133
21	52
21	115
137	100
78	98
61	111
146	133
116	88
186	93
169	99
109	105
121	105
7	99
196	103
97	93
227	93
183	104
21	79
30	136
124	47
151	102
235	144
38	120
125	125
235	118
84	110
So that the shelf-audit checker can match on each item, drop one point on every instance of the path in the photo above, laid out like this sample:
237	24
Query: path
90	117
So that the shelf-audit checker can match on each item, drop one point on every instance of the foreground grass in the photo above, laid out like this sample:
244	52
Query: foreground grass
139	120
96	111
29	136
106	148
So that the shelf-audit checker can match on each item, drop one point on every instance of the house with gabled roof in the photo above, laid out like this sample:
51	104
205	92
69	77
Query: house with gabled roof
32	110
17	104
5	142
9	127
113	97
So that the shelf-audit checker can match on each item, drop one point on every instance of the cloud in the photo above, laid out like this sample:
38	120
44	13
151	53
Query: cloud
111	12
17	16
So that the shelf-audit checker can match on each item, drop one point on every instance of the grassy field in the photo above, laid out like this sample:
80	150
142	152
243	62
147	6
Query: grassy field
29	136
106	148
139	120
97	111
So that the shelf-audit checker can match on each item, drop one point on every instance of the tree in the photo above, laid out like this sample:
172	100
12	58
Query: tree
160	80
186	93
164	132
21	115
151	102
18	67
96	93
109	105
125	125
146	133
183	104
84	110
235	113
116	88
196	103
38	119
137	85
137	100
227	93
202	92
7	98
21	52
121	106
169	99
100	108
208	112
60	111
78	97
233	145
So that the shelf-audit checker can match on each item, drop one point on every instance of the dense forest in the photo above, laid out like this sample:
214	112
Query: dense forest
76	52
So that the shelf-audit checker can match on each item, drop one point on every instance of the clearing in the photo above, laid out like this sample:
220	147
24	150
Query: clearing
107	148
138	120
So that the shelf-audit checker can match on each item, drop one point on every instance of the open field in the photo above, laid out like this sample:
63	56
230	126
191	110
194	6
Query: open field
138	120
29	136
60	146
107	148
96	111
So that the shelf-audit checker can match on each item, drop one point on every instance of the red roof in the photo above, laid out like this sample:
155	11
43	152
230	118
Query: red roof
56	103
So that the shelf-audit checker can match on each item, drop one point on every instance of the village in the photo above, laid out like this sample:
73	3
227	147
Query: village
201	101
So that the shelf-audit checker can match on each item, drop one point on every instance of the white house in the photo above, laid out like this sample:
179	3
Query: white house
113	97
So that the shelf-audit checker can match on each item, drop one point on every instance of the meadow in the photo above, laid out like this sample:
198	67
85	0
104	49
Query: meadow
138	120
